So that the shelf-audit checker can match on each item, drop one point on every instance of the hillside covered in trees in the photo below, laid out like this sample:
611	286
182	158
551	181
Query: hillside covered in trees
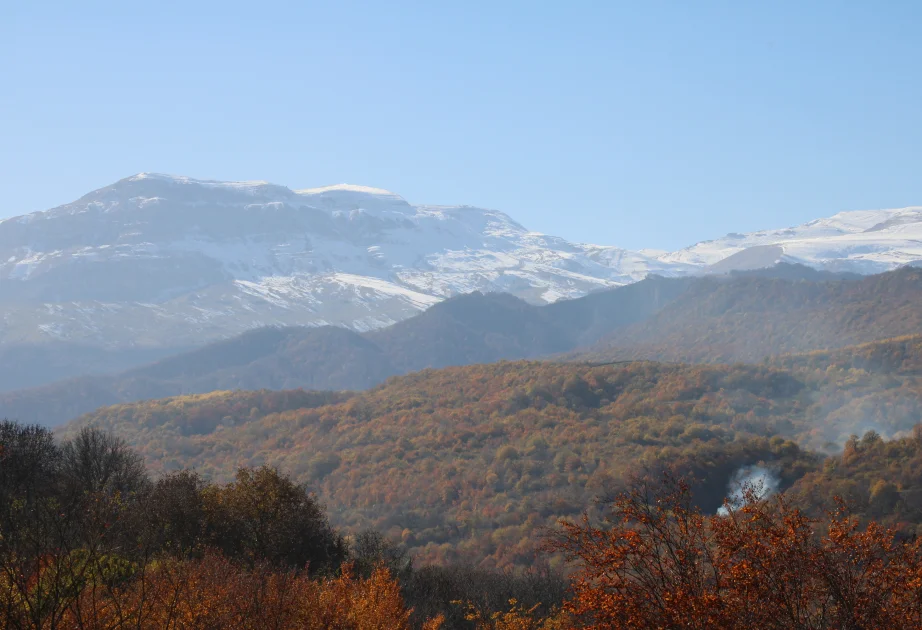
748	318
471	462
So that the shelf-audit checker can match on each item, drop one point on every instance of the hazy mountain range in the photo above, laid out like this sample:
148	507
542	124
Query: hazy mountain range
470	328
157	260
154	259
744	316
155	265
475	462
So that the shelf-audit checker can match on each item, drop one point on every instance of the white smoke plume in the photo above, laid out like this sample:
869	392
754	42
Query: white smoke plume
761	480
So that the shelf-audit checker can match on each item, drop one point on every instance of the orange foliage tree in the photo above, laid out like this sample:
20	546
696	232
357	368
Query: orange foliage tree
658	562
214	592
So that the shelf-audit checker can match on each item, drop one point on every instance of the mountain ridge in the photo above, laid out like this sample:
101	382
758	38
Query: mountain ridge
156	263
750	318
471	328
221	257
218	258
746	316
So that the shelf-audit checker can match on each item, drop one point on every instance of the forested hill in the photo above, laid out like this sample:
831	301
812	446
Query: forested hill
900	355
749	318
471	461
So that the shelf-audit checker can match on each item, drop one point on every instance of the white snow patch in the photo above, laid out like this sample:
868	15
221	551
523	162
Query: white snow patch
182	179
368	190
383	287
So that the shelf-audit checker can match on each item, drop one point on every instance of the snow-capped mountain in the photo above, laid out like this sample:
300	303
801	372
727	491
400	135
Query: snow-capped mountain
871	241
156	259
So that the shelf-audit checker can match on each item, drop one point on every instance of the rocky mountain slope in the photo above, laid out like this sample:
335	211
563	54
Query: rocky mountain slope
155	259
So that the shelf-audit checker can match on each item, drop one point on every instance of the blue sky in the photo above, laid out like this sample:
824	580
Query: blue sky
640	124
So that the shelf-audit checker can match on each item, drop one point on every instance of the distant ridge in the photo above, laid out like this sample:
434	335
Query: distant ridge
744	316
474	328
749	317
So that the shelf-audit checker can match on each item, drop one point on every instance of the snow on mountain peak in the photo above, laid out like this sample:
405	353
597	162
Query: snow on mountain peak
862	241
349	197
353	188
208	183
155	257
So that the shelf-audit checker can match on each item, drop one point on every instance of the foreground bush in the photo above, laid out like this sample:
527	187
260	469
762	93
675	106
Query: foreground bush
468	597
660	563
213	592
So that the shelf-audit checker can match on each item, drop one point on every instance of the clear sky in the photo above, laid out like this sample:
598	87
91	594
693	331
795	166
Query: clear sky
640	124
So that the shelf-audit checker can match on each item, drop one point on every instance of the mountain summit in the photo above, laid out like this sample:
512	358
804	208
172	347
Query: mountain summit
161	260
155	259
864	241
